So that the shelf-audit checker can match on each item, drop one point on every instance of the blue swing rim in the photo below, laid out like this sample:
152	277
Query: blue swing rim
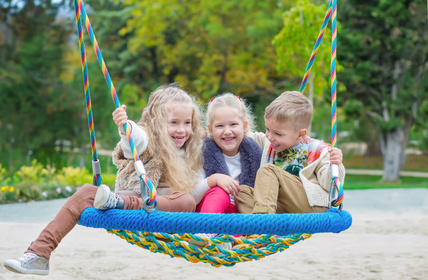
334	221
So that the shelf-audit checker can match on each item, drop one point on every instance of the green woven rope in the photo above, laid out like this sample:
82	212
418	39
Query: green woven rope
245	248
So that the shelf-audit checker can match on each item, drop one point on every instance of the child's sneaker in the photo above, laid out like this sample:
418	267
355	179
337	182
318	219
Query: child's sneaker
106	199
28	263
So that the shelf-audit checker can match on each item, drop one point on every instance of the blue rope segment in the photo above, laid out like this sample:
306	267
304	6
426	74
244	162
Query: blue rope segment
158	221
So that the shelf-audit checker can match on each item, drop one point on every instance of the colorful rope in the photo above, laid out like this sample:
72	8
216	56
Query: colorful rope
97	177
244	249
335	181
330	13
315	49
81	16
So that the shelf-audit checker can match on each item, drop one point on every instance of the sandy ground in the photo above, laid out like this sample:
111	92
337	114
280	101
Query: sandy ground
388	240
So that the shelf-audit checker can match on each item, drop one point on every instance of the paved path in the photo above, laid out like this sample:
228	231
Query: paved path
374	201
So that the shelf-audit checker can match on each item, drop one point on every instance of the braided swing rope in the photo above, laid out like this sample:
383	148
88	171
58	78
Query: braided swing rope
336	189
250	248
124	222
97	181
315	48
147	187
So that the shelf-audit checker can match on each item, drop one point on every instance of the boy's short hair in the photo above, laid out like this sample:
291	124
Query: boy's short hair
292	107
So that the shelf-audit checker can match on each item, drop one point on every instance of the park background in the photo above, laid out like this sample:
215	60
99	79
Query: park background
255	49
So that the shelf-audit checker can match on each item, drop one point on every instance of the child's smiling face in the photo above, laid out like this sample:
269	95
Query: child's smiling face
179	124
282	135
228	130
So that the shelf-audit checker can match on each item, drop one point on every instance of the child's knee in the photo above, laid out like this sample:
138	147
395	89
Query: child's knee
177	202
266	168
87	188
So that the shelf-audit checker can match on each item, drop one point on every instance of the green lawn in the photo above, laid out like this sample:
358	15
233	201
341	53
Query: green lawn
354	182
413	163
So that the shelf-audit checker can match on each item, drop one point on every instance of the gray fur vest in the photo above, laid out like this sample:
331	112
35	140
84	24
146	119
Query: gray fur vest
251	154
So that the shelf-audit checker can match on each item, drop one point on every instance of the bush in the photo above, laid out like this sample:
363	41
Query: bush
36	182
8	193
30	174
74	176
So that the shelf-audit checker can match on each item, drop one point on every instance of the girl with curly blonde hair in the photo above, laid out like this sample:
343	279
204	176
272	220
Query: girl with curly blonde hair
168	139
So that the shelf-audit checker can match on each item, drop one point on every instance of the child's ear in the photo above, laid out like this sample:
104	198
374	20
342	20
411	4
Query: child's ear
210	131
245	127
302	133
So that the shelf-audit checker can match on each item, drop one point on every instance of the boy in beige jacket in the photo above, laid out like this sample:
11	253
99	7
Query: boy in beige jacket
295	174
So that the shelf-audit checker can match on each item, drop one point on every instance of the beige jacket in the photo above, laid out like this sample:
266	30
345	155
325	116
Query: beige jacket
127	177
316	177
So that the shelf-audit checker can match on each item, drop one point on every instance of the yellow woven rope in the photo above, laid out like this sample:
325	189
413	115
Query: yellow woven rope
245	249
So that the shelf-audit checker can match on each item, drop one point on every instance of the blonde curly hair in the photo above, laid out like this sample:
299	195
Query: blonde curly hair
154	117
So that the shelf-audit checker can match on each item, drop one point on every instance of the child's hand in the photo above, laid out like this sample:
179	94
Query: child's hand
336	156
225	182
120	117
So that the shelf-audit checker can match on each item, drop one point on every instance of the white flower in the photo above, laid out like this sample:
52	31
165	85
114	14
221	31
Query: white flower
68	188
58	190
45	194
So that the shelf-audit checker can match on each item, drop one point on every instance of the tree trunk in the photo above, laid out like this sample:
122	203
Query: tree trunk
373	147
391	146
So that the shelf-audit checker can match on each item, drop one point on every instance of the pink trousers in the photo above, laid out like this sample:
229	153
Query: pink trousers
216	200
69	214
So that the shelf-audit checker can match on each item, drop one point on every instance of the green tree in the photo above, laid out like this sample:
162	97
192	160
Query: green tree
295	42
209	46
385	70
39	107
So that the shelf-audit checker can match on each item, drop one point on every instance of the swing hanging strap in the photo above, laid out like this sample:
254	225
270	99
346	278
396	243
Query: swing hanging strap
336	190
148	191
96	168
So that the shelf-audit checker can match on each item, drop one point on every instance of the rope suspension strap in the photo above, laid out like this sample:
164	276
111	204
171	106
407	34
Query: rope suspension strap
96	169
336	189
316	47
148	192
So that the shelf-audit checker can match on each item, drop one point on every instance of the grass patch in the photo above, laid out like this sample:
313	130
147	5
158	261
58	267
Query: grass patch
413	163
361	182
